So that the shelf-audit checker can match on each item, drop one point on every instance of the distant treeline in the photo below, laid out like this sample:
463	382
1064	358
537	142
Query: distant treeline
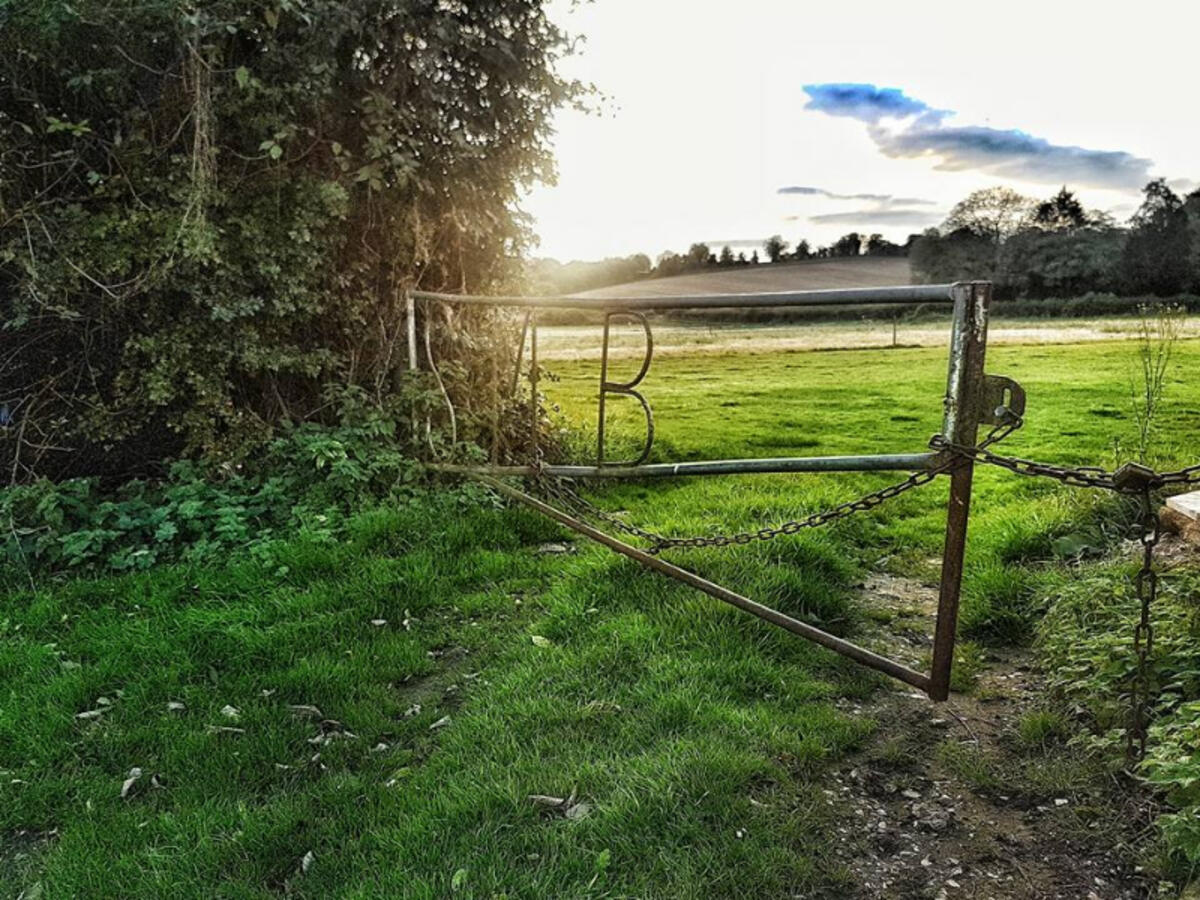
1028	248
1057	248
548	276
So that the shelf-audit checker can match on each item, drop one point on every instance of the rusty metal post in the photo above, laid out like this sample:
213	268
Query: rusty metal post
964	396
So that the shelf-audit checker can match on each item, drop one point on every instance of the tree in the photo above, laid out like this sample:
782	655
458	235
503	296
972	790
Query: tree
211	212
741	259
726	257
1191	206
669	263
697	255
959	255
775	246
1063	262
803	250
878	245
992	213
549	276
1157	257
847	245
1062	212
754	258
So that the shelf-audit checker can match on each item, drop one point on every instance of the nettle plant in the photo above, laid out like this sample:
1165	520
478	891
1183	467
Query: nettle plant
209	214
1173	765
307	480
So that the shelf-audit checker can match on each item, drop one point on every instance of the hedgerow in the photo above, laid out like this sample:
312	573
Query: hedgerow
209	214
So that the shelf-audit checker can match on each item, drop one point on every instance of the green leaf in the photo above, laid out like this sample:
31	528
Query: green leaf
243	76
459	881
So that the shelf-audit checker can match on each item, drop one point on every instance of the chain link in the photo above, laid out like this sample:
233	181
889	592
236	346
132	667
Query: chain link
559	490
1140	481
1131	480
1076	476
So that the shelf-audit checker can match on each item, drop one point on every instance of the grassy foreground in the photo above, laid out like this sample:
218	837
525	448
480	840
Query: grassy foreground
369	718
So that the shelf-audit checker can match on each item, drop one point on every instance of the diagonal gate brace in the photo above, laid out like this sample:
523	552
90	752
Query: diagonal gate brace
859	654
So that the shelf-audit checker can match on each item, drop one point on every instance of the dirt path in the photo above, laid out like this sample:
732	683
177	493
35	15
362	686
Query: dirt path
945	803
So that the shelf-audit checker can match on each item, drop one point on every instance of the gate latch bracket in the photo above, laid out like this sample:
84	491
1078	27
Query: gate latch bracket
1003	398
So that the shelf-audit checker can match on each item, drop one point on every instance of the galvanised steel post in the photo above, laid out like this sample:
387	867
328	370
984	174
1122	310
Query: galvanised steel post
964	400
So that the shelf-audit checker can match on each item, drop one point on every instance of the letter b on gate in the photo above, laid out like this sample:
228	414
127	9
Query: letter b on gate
626	388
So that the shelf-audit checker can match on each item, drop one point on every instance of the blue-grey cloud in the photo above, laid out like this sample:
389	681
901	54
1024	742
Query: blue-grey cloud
886	199
915	217
1007	153
868	103
1010	153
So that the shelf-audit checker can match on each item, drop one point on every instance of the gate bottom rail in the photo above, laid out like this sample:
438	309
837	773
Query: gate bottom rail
816	635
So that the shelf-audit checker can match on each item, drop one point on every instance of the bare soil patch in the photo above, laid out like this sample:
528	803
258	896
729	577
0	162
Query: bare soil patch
942	803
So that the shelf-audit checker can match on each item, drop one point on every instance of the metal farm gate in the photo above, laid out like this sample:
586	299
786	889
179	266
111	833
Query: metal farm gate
974	400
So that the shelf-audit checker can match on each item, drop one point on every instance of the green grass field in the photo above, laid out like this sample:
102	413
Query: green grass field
455	670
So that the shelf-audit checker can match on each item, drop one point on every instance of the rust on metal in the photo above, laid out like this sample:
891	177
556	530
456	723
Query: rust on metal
965	398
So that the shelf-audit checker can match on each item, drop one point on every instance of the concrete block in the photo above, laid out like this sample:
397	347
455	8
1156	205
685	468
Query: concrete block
1187	504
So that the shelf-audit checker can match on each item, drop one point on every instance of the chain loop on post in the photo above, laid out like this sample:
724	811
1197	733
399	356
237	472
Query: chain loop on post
1146	584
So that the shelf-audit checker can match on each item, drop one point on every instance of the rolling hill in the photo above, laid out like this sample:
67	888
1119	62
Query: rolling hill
800	276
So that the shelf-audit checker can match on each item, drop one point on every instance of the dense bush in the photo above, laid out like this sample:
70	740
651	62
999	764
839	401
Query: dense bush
209	213
1058	249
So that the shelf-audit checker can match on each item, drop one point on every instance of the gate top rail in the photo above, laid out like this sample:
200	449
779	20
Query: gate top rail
917	293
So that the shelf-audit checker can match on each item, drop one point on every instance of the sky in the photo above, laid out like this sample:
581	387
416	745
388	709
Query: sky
729	122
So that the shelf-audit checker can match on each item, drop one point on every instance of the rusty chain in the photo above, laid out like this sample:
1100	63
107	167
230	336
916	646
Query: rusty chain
1130	479
1143	634
558	489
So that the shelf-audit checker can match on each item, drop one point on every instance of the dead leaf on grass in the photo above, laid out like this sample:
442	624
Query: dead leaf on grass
134	774
332	730
560	807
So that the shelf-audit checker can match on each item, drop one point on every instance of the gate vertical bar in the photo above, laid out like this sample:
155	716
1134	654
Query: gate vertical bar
964	394
600	401
534	409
